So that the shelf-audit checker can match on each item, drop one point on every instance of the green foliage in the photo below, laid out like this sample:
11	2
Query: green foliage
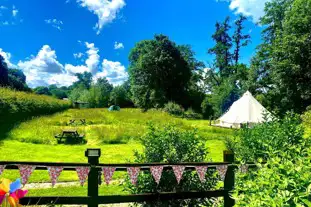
207	108
159	72
173	109
21	102
42	90
172	145
120	96
84	80
17	80
274	136
191	114
223	97
3	72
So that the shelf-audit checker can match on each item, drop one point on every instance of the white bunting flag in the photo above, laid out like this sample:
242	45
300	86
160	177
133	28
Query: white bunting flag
156	172
108	173
2	167
133	173
201	170
54	172
243	168
25	171
222	170
178	171
83	173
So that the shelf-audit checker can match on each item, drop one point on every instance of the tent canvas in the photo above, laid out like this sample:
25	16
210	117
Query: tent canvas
246	110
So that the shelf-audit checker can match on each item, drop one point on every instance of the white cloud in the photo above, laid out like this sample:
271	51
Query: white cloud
91	63
55	23
106	10
3	7
115	72
250	8
14	11
44	69
7	57
118	45
78	55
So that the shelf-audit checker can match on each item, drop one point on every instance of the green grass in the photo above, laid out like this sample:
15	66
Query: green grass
104	127
33	140
77	191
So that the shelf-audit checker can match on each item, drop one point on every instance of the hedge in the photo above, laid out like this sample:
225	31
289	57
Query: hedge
17	102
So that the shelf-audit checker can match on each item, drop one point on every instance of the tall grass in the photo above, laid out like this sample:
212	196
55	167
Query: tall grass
104	127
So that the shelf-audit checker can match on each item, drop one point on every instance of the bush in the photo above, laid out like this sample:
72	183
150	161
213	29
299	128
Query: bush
270	136
13	102
285	180
172	145
191	114
173	109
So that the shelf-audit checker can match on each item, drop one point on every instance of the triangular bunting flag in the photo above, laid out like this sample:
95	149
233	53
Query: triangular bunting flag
54	173
133	173
2	167
178	171
222	170
83	173
201	170
156	172
108	173
25	172
243	168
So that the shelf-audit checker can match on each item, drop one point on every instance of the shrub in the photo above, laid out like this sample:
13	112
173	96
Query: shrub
13	102
191	114
173	109
285	180
207	108
172	145
275	135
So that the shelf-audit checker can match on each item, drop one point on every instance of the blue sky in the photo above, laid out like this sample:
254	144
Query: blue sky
51	40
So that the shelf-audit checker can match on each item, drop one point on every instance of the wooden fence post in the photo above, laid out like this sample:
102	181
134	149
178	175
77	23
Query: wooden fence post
229	179
92	187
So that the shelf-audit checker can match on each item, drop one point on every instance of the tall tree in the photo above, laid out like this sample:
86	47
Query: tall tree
158	72
17	80
3	72
239	39
222	48
84	80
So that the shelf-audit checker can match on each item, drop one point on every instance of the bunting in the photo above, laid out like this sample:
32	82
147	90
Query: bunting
222	170
25	171
244	168
54	173
133	173
83	173
2	167
178	171
108	173
201	170
156	172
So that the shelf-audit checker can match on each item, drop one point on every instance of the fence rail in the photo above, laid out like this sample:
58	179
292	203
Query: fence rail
93	199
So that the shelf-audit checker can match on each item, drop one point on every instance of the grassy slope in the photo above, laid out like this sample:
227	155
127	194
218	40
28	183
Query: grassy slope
125	126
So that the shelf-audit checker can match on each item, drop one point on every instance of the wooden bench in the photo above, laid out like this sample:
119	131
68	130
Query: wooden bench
69	134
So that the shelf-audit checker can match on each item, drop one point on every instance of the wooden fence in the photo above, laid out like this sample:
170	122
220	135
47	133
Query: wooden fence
93	199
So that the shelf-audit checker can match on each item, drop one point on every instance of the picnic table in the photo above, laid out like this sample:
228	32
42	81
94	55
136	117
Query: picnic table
72	121
71	133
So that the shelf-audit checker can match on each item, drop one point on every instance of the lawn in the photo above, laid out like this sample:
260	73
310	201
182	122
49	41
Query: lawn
116	133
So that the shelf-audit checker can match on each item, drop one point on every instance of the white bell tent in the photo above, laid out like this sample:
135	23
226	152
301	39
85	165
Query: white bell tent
246	110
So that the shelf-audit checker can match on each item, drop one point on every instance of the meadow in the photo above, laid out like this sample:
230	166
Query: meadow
117	134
